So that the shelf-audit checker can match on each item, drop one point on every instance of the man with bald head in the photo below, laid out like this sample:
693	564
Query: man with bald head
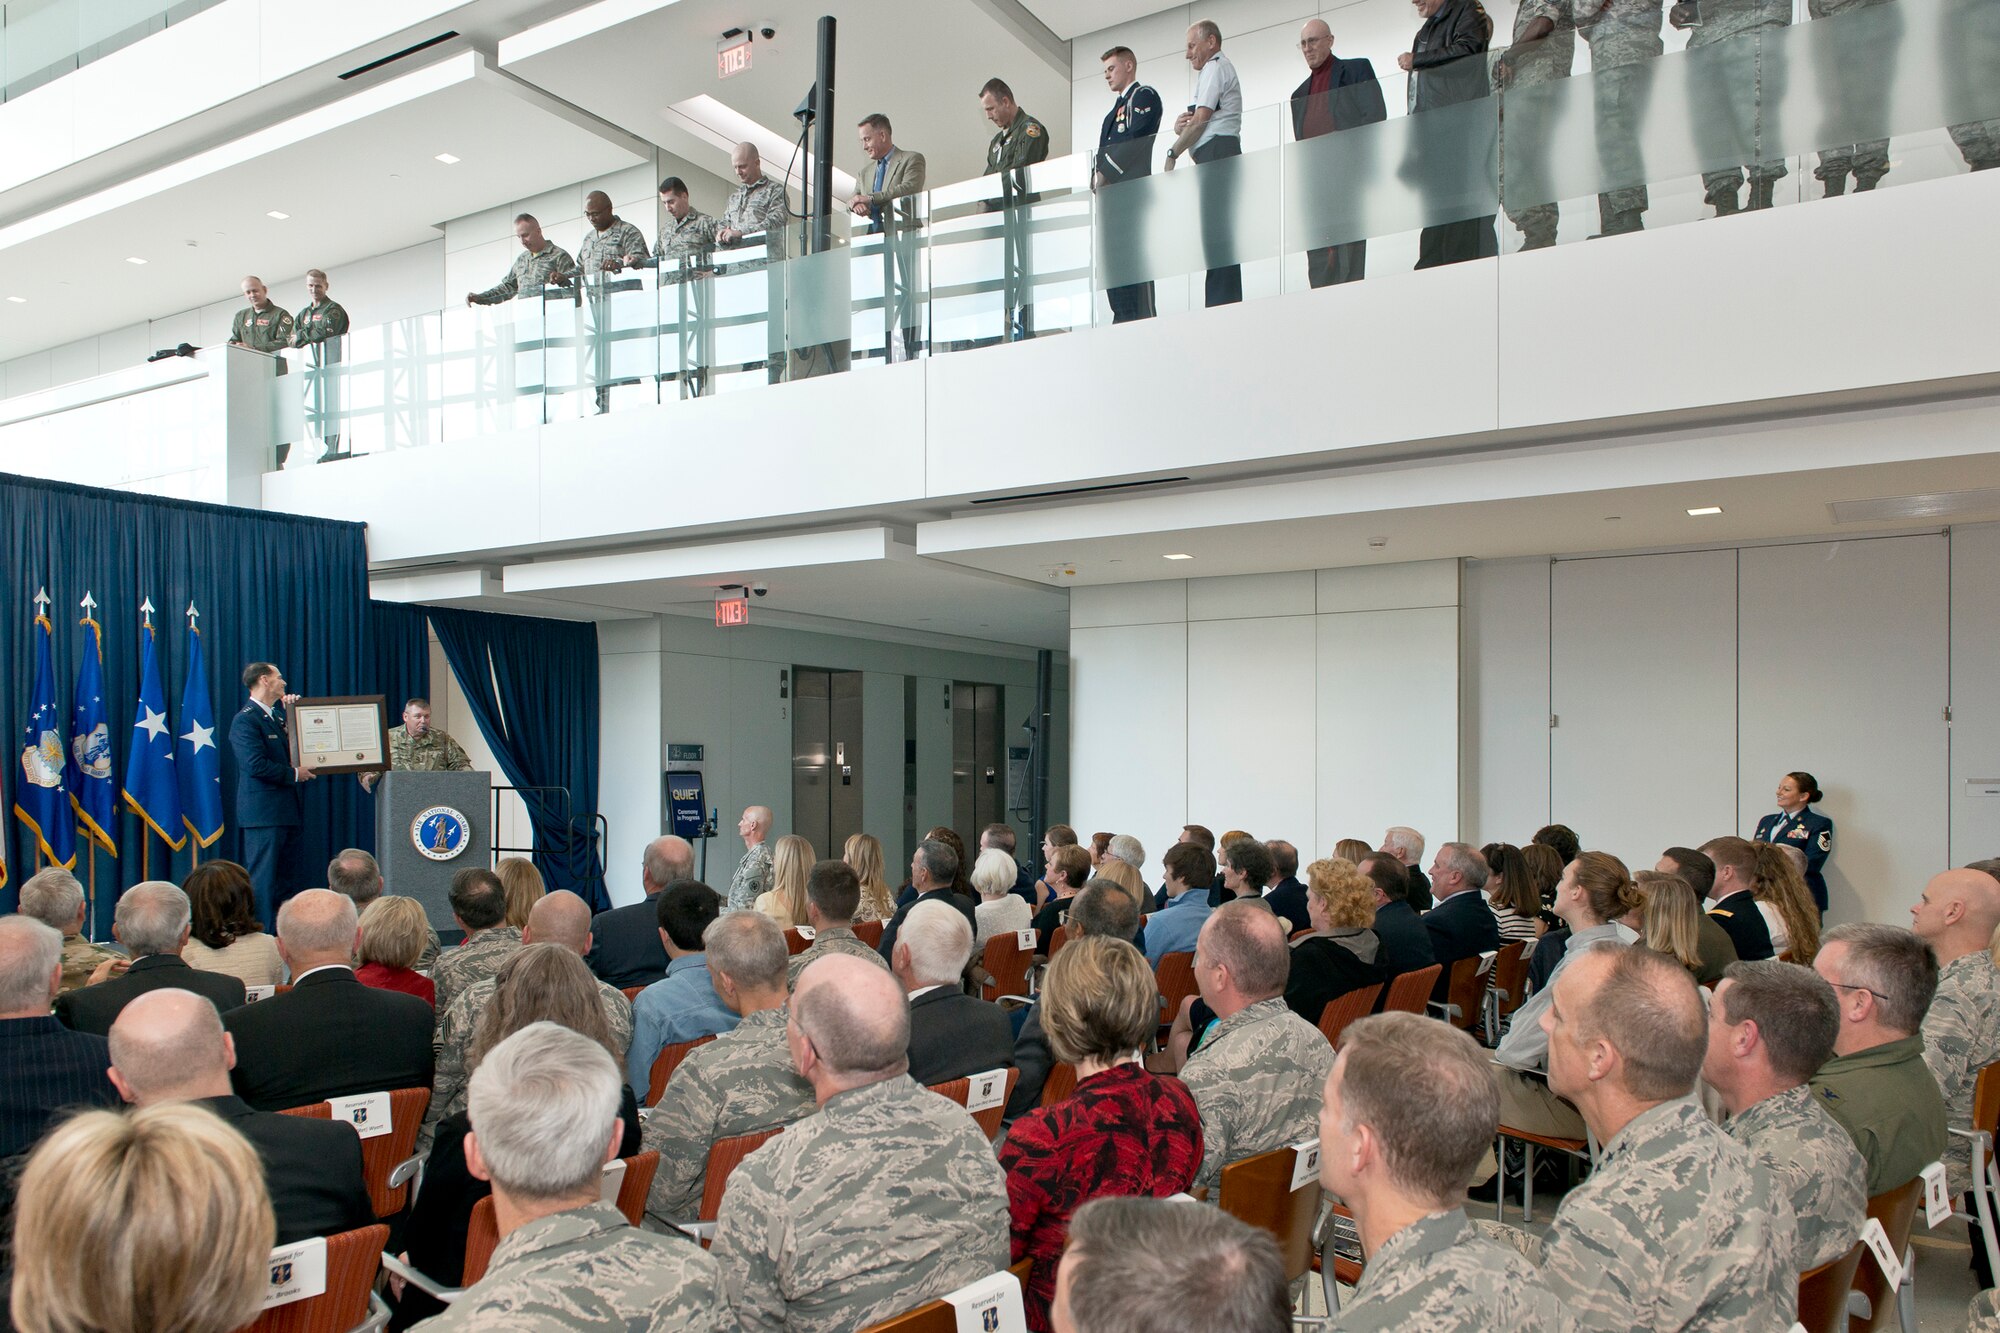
625	949
917	1206
1956	916
757	214
753	872
1677	1227
1337	95
1257	1074
169	1046
329	1036
263	325
153	922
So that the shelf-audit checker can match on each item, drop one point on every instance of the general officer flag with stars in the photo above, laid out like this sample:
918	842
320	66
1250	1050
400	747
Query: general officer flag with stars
199	762
152	791
41	799
91	792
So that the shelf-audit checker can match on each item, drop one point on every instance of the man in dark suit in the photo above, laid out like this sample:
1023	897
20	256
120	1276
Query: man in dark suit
270	807
1407	846
1461	925
952	1034
625	948
1731	904
329	1036
49	1068
1337	95
932	872
1286	896
1125	152
1406	945
170	1047
153	922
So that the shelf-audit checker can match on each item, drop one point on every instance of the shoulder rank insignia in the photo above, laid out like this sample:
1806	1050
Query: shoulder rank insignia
1034	131
1717	911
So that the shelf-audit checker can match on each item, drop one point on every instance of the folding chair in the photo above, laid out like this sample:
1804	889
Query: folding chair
724	1156
1985	1177
1006	964
797	941
482	1229
388	1161
633	1184
1060	1083
665	1063
1584	1149
1174	975
1895	1209
349	1301
960	1090
936	1316
1823	1292
1259	1190
1333	1019
631	993
1503	996
1057	939
869	933
1462	997
1411	991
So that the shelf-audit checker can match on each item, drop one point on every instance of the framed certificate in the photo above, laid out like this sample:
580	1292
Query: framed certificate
347	734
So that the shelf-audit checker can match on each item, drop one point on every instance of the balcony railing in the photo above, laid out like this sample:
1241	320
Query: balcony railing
1887	94
41	40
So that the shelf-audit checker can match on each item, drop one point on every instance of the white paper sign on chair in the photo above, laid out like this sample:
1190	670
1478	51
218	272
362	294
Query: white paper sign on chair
990	1305
1937	1200
252	994
1026	941
368	1113
298	1272
1305	1164
987	1090
1877	1241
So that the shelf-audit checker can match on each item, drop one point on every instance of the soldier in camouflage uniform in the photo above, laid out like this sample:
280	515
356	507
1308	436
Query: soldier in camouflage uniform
1257	1076
887	1197
1386	1155
742	1081
262	326
571	1262
686	238
415	746
1855	68
1972	57
541	263
1543	50
1956	916
757	213
53	897
611	246
1676	1227
1983	1315
833	895
686	232
1738	84
1623	35
1022	141
1770	1026
753	872
479	906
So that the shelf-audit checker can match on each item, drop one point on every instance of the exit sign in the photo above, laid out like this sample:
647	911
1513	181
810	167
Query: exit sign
732	56
732	611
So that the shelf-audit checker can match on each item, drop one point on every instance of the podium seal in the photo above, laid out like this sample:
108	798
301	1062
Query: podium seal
440	833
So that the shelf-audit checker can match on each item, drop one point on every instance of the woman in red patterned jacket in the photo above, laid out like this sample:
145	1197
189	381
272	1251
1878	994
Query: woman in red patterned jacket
1123	1131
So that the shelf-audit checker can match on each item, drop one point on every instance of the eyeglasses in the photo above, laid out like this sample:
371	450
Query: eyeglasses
1841	985
1310	42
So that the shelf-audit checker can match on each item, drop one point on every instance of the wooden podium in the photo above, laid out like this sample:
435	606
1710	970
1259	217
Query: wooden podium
428	827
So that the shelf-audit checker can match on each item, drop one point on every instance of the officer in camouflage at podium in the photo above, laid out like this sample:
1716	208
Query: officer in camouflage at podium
416	746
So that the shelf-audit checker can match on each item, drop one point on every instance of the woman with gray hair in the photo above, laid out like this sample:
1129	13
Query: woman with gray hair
1000	910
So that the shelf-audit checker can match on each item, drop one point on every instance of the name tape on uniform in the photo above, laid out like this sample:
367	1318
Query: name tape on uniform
988	1090
368	1113
298	1272
252	994
1305	1164
990	1305
1891	1263
1026	940
1937	1201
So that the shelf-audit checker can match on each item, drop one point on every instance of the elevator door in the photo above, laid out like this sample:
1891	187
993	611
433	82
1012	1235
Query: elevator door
826	758
978	762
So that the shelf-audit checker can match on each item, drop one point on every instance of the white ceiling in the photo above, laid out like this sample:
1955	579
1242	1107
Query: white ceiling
1070	19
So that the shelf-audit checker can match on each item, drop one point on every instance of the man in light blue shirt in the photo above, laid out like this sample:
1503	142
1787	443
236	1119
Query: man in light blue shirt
1190	869
1209	130
683	1005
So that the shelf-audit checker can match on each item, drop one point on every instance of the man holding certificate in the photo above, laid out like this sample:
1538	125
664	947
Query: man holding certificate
270	807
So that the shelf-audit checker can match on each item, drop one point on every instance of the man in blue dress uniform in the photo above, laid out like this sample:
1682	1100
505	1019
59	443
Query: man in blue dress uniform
270	807
1796	824
1125	152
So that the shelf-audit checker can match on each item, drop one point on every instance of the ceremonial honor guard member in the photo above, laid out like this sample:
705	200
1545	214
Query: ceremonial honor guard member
1125	152
418	747
1797	824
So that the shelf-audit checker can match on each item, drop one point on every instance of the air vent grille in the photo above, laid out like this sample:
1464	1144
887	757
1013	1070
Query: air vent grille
1895	508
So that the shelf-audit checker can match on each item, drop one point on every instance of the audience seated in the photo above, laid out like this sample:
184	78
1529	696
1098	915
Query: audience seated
1512	894
1561	839
1339	955
53	897
1140	1265
741	1082
1246	870
1067	872
1666	920
785	901
226	935
169	1046
153	922
1283	891
1001	911
1188	870
1785	902
863	854
1409	1109
1957	916
887	1197
1405	945
934	868
1406	845
1100	911
625	941
833	897
354	873
1594	892
1123	1131
1461	925
682	1005
1733	901
479	906
1714	944
50	1068
1257	1073
1128	850
545	1118
1877	1084
1001	838
393	935
952	1034
1770	1027
523	886
539	983
329	1035
1676	1227
155	1220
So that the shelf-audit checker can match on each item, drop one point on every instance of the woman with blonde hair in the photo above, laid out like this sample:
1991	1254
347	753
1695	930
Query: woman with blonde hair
863	854
392	939
1671	918
785	901
1352	850
1786	903
524	887
156	1221
1341	954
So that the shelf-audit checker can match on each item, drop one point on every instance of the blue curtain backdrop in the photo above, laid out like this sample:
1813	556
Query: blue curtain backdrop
532	685
400	640
269	586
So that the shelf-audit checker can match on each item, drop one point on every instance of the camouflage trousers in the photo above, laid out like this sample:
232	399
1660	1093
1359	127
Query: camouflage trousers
1737	85
1621	85
1855	63
1525	128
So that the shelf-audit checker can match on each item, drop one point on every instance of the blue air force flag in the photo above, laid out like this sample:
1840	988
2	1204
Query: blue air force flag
199	762
152	792
41	799
91	789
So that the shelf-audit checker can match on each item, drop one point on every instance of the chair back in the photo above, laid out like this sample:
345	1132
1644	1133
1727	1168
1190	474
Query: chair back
352	1260
1333	1019
631	993
1467	988
638	1181
1895	1209
1510	975
1411	991
1006	964
1823	1292
724	1156
384	1153
1060	1083
482	1234
937	1316
988	1119
869	933
665	1063
1057	938
795	941
1174	975
1986	1100
1258	1190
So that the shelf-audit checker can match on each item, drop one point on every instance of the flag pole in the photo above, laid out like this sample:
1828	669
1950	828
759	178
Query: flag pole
90	912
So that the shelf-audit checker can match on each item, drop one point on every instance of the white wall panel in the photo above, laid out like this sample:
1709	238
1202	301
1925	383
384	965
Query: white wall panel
1389	587
1844	674
760	738
1975	689
1643	683
1249	596
934	741
1504	690
1129	746
1252	728
1162	602
882	760
1388	724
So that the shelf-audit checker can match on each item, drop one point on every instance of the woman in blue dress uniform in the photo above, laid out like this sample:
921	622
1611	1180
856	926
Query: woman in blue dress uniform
1797	825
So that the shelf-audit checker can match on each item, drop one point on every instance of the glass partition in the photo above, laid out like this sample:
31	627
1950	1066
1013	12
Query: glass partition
41	40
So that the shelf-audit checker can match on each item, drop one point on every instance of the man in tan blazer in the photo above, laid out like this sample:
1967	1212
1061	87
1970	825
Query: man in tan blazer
892	174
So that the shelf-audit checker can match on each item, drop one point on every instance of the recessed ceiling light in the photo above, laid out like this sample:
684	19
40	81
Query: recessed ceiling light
134	259
447	159
18	300
274	213
1180	555
1704	511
